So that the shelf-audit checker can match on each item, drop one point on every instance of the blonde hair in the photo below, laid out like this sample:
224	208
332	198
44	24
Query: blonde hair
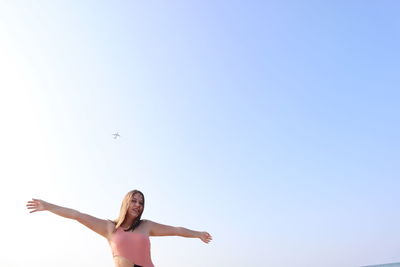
124	210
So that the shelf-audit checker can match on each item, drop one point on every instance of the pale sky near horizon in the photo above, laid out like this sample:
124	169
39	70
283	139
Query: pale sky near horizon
274	125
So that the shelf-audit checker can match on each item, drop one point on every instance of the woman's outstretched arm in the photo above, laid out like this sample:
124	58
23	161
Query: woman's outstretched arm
157	229
102	227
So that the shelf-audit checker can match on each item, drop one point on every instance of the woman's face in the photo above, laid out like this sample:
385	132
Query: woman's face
136	206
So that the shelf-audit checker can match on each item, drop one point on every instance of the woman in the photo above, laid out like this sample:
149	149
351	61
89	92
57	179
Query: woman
128	235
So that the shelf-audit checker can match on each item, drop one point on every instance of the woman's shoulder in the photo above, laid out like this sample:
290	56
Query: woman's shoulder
111	222
111	226
146	224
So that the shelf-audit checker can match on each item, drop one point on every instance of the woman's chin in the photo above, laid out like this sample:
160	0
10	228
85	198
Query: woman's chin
133	215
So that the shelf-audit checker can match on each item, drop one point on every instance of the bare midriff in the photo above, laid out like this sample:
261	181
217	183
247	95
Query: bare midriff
120	261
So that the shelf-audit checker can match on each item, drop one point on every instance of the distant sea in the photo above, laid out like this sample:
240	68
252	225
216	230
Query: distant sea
385	265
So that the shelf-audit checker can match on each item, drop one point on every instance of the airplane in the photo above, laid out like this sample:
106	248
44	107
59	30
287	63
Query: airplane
116	135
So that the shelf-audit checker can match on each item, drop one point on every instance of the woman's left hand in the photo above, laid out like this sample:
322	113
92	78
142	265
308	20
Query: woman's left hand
205	237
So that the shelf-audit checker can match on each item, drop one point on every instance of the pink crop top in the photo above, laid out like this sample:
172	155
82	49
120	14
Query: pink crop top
134	246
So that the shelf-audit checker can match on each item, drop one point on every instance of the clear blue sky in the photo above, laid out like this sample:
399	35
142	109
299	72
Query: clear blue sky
274	125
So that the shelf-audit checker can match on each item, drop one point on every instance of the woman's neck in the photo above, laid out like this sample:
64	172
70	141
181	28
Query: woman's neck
127	223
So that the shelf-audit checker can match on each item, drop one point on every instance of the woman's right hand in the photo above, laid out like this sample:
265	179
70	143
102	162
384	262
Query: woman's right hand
36	205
